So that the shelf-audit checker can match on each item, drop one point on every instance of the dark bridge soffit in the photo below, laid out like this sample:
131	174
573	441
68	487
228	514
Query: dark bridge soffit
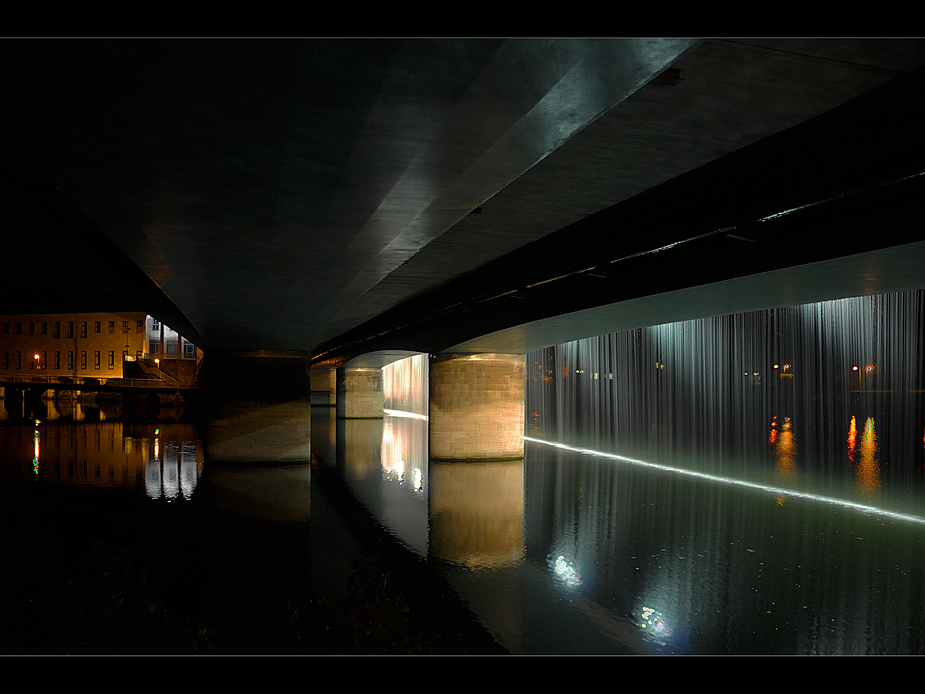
852	175
282	193
265	186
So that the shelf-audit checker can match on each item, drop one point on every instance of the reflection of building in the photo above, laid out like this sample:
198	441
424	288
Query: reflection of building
84	344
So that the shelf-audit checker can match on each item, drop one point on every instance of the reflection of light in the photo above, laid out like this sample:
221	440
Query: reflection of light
868	472
852	437
653	625
567	572
399	413
35	455
417	479
785	449
738	483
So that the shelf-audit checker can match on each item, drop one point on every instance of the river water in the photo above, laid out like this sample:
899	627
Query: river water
730	485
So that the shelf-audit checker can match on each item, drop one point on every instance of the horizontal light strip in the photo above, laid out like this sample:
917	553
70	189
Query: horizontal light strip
402	413
738	483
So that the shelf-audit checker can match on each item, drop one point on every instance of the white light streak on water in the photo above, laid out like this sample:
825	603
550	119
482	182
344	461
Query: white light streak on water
739	483
400	413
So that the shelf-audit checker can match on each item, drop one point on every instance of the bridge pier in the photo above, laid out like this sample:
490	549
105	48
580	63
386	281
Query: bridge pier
258	406
324	385
477	406
359	393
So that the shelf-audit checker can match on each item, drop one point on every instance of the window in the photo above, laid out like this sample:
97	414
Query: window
155	325
19	328
125	326
44	328
57	330
83	360
139	326
70	329
31	328
18	360
97	327
6	360
70	360
112	360
112	326
152	346
57	361
6	328
96	361
83	328
188	348
44	359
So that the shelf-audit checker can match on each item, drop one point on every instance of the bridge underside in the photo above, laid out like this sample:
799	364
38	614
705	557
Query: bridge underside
334	198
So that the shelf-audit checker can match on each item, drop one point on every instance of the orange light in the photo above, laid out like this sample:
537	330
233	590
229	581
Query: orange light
854	368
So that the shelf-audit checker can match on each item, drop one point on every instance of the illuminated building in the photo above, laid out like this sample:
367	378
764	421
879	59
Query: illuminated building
83	344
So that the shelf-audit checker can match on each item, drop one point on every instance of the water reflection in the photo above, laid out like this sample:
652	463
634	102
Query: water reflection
667	502
477	513
404	452
164	459
868	471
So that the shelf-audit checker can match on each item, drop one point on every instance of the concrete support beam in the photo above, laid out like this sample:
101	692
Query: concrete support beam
359	393
477	406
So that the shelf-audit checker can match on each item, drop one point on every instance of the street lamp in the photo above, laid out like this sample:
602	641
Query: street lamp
157	365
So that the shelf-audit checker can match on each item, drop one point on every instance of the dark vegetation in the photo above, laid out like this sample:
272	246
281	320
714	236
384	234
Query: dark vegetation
110	579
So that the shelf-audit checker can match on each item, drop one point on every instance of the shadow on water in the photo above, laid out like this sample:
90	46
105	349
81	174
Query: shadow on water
127	538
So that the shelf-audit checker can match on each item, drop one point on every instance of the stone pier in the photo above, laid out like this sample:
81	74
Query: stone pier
258	407
359	393
477	406
324	386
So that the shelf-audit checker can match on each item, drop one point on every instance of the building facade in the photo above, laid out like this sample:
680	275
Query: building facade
84	345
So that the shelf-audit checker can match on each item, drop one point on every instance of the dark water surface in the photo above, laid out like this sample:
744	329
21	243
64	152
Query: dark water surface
724	486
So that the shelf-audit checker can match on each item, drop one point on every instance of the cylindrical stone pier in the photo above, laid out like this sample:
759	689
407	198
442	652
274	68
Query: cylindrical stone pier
477	406
257	407
359	393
